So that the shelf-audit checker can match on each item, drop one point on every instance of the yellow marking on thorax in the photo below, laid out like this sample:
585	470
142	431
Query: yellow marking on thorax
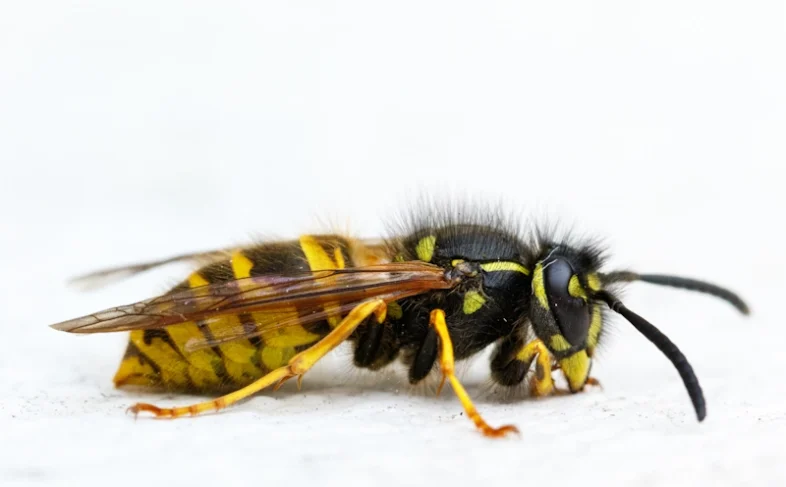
395	311
559	343
575	289
504	266
425	248
594	329
473	301
538	288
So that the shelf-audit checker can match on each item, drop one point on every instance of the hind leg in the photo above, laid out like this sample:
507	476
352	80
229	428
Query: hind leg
297	366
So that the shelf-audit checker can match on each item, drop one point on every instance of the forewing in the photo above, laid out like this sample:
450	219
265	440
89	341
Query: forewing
104	277
315	295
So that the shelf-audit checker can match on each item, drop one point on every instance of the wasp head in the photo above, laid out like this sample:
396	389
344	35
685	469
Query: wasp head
562	314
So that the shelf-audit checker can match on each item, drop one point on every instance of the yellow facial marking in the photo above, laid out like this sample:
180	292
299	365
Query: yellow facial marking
241	265
456	262
575	289
576	368
473	301
593	282
594	330
196	280
425	248
395	311
559	343
504	266
538	288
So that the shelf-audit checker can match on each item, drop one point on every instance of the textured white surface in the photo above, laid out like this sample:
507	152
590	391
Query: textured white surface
134	133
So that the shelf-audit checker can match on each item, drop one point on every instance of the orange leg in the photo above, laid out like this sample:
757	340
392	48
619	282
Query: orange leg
297	366
437	320
542	384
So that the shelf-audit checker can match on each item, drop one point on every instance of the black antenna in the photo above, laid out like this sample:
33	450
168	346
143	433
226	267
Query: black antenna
682	283
667	347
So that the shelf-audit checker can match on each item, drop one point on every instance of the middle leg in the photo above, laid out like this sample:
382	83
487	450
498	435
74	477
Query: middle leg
437	322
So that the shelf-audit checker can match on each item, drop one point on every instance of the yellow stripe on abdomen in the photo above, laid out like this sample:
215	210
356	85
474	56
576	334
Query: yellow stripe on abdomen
162	358
319	260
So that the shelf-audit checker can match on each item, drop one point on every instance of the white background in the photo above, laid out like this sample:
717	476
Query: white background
136	132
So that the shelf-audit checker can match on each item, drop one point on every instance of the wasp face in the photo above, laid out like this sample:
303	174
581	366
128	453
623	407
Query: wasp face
561	315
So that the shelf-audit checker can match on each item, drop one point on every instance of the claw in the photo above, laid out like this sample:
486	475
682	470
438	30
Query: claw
281	382
591	381
142	406
441	384
501	432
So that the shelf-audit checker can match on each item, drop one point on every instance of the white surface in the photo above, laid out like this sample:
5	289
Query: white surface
161	127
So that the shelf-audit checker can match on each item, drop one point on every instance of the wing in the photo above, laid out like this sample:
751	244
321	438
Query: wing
104	277
110	275
270	298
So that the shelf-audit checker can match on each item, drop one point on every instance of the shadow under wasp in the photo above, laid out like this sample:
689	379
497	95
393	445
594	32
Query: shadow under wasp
446	288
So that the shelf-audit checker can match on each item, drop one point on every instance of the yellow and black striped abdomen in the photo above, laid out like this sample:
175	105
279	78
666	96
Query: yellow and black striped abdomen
159	358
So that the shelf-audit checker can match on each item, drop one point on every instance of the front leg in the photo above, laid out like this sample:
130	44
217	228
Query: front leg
513	359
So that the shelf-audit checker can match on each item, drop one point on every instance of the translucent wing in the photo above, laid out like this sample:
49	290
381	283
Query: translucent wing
104	277
269	298
110	275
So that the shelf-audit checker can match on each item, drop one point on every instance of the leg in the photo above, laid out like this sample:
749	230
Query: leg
542	384
376	345
512	359
437	321
297	366
424	359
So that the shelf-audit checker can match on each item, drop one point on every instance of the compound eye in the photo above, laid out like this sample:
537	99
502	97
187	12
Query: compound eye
571	313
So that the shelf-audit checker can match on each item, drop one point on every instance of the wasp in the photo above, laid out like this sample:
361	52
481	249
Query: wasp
444	289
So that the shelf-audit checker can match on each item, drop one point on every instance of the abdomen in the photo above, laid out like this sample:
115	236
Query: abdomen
159	358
